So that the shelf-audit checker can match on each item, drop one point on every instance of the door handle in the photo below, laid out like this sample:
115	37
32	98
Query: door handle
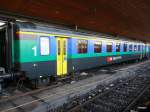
65	58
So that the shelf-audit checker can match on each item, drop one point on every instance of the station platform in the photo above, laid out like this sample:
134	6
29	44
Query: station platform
54	97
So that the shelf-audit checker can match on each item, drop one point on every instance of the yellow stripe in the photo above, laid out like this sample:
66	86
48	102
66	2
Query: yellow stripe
59	35
102	38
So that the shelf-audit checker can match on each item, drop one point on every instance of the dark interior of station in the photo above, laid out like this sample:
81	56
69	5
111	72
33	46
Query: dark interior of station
127	18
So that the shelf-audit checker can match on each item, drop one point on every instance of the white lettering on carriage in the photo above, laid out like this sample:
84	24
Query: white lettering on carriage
117	58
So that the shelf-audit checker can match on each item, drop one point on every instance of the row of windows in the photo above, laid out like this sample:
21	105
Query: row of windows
83	45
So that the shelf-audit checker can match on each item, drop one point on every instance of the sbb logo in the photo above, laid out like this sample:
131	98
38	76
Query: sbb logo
109	59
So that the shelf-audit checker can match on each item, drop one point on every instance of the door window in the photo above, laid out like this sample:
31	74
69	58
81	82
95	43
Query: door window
64	47
59	47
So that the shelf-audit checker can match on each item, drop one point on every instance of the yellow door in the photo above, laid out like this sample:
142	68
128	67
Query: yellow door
61	56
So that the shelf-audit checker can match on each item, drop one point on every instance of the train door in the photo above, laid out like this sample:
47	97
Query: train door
61	56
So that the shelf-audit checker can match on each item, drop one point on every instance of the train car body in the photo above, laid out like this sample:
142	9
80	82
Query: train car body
43	51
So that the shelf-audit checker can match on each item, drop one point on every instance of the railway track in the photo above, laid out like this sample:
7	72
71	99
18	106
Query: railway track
142	103
119	98
108	69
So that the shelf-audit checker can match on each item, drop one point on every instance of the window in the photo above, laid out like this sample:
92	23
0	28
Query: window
64	47
139	47
109	47
146	48
98	47
44	46
130	47
125	47
135	47
118	47
82	46
142	47
59	47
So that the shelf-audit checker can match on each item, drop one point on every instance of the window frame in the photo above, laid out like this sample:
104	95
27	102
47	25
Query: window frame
58	48
96	43
83	43
48	46
139	47
118	50
130	50
125	47
135	46
107	44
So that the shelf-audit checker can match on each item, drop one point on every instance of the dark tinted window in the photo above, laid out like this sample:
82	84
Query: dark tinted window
118	47
109	47
82	46
142	48
98	47
139	47
125	48
135	47
130	47
64	47
58	47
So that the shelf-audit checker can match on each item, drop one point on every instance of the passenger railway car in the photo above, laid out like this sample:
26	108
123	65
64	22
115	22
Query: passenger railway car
44	50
